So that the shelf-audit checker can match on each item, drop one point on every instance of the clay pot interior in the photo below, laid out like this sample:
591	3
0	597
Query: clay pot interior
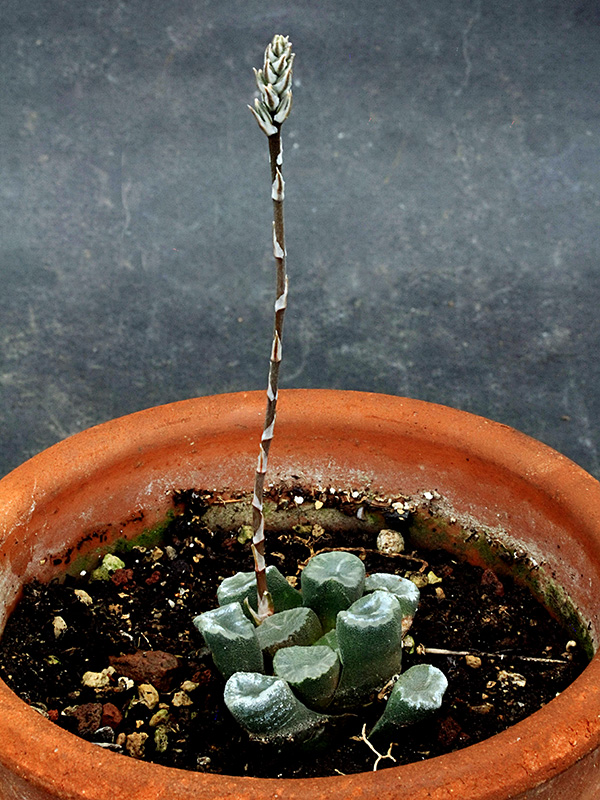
431	525
476	486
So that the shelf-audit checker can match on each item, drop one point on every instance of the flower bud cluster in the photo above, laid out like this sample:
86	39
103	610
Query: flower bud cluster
274	82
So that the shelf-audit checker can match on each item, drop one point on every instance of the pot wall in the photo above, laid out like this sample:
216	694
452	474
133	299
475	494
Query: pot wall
118	477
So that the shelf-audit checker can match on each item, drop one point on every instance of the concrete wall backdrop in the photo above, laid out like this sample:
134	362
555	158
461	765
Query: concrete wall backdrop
443	198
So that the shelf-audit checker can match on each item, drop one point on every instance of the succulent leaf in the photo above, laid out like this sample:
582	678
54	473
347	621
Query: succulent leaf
407	593
329	640
242	586
312	672
298	626
268	709
417	693
369	637
231	638
331	582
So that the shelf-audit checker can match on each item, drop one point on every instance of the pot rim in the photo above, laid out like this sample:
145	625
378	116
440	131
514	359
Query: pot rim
525	755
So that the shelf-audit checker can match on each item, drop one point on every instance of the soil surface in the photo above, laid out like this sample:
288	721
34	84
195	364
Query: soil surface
119	662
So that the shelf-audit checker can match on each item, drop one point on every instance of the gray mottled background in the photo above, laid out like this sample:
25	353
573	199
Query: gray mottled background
443	196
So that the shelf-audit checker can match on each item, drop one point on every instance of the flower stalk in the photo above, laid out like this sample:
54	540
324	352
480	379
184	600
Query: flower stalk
270	110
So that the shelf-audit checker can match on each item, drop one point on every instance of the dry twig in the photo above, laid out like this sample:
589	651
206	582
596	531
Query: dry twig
438	651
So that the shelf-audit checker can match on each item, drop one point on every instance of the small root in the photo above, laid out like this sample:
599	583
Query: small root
380	756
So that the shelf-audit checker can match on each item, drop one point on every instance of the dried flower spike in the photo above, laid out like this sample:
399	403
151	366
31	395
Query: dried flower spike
274	81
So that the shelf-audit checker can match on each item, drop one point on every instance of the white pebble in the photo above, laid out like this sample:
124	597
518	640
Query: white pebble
84	597
97	680
389	541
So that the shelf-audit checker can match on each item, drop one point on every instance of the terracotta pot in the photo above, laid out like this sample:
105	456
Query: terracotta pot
117	479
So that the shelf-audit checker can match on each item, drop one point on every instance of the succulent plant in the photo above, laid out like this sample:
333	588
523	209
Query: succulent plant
339	671
334	645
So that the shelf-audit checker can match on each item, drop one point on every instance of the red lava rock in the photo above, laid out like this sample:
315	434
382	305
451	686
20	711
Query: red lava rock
89	717
111	715
449	731
53	714
201	676
147	666
154	578
489	578
121	577
228	544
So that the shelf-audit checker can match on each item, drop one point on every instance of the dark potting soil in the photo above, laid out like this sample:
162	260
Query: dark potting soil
119	662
